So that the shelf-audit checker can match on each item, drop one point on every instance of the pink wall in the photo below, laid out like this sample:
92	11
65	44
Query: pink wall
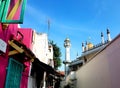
5	35
27	33
103	71
27	40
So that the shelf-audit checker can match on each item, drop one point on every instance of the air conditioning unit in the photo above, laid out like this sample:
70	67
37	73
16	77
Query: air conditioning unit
3	46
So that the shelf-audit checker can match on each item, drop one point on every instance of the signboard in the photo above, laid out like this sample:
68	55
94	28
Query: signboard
3	46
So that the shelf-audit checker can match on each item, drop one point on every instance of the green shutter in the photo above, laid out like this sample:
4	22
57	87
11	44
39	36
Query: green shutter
4	4
14	74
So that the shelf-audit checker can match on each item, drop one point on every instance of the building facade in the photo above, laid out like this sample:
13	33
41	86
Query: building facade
100	71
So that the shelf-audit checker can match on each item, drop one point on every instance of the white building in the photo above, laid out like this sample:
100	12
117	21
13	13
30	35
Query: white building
40	46
44	52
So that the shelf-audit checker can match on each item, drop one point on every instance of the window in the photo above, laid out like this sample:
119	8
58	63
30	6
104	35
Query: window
14	73
8	9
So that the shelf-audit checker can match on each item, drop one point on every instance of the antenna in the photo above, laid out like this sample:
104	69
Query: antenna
48	27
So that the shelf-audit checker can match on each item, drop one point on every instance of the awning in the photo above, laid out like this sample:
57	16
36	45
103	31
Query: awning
45	67
20	48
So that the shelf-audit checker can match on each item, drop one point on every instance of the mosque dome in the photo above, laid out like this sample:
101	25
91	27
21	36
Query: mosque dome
90	45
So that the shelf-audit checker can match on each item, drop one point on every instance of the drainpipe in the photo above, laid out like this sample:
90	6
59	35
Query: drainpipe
44	81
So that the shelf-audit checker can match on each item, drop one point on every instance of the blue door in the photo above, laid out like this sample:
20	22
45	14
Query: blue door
14	73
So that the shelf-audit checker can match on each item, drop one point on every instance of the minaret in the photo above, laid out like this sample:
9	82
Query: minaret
86	46
108	35
67	55
83	48
102	38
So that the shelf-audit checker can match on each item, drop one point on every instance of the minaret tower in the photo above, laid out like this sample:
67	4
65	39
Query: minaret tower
102	38
83	48
108	35
67	55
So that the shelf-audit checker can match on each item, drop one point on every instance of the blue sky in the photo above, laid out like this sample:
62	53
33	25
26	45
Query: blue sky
76	19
